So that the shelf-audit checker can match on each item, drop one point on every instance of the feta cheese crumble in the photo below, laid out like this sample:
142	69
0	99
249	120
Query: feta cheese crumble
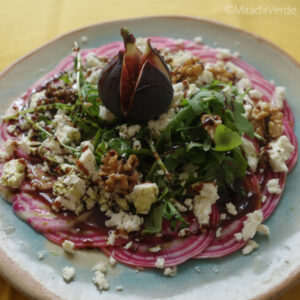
250	246
274	187
68	273
160	263
143	196
68	246
13	173
250	153
170	272
279	151
68	190
254	219
123	221
280	96
203	202
231	209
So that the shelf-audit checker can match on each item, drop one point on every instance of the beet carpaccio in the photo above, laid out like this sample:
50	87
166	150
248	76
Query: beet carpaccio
153	150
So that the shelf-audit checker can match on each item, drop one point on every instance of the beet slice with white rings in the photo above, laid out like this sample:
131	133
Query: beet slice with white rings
38	214
174	252
226	243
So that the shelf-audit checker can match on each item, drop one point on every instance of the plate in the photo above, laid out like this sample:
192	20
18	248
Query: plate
272	268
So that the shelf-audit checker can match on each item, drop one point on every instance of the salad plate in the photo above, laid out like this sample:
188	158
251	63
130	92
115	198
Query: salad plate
34	265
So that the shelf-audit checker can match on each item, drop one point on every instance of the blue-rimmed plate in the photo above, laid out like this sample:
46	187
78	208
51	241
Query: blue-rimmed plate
264	273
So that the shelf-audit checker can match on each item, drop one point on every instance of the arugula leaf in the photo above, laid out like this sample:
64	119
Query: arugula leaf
172	214
153	221
122	146
226	139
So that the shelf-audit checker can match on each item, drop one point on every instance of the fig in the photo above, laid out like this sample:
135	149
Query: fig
136	85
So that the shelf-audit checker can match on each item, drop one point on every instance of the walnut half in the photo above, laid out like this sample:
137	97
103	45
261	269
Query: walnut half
118	174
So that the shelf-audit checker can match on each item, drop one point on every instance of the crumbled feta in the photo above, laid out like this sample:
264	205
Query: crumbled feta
36	98
111	238
13	173
155	249
124	221
40	255
183	232
68	246
157	126
143	195
273	186
136	145
84	39
94	77
112	262
239	73
178	93
92	61
87	162
51	150
64	132
207	77
188	203
101	267
231	209
180	57
250	246
219	232
255	94
223	53
279	151
280	96
119	288
192	90
251	224
68	273
250	153
187	170
160	263
179	42
238	236
68	190
10	146
87	144
263	198
128	245
198	39
171	272
100	280
203	202
128	132
264	229
105	114
223	216
243	85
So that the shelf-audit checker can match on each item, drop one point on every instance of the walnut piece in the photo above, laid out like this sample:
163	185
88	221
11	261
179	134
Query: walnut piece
118	174
210	123
190	71
266	119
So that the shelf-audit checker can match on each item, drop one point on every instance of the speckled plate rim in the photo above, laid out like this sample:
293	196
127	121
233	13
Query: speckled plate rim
23	281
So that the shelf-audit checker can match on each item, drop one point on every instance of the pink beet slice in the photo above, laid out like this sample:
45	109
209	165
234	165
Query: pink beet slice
173	252
38	214
227	243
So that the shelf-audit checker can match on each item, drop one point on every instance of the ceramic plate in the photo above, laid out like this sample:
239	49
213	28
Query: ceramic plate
264	273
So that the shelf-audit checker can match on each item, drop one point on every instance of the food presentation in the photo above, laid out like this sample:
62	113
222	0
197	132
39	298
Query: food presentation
154	150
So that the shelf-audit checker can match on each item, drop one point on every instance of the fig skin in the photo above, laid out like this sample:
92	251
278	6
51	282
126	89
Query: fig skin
152	96
109	85
136	85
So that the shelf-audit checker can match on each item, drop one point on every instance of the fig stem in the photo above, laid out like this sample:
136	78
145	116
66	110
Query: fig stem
158	159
